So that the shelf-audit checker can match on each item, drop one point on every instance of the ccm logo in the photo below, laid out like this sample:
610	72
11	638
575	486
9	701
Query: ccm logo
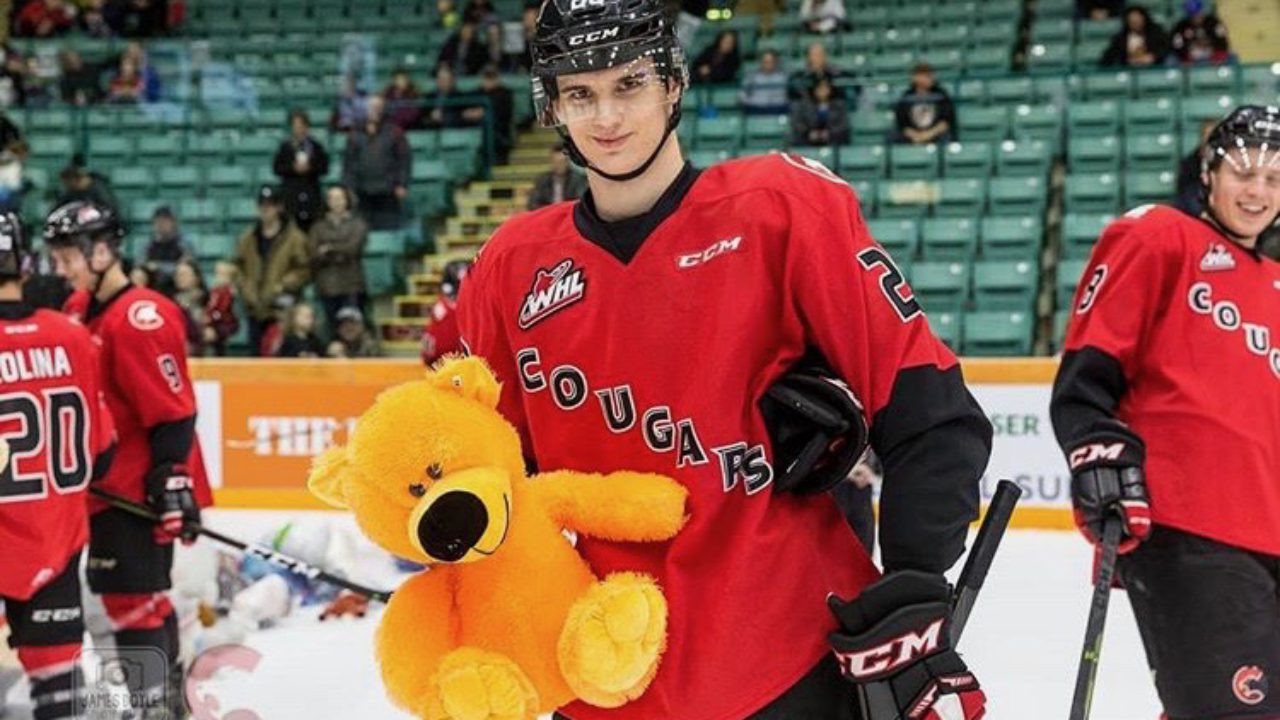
895	653
57	615
1094	452
594	36
720	248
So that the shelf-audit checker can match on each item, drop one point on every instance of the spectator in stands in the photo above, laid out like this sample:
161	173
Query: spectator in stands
93	20
336	243
720	61
272	263
220	321
764	90
10	133
488	26
404	101
139	274
1098	9
167	247
517	59
350	107
823	16
1200	38
127	87
444	106
377	167
501	108
13	186
816	67
138	18
925	113
80	82
463	52
37	84
150	78
1140	43
351	337
44	18
13	77
189	293
299	338
81	183
820	119
300	163
1187	198
559	183
448	13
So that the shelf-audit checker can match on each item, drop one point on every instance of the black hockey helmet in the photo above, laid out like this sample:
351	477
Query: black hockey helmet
1248	137
15	251
451	277
576	36
81	223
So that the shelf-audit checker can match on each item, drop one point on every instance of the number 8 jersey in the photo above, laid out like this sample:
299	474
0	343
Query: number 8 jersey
54	433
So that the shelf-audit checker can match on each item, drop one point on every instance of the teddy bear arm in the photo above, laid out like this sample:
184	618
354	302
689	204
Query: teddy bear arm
622	506
415	634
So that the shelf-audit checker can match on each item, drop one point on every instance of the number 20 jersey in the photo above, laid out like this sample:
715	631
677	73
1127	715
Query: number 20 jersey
53	427
657	363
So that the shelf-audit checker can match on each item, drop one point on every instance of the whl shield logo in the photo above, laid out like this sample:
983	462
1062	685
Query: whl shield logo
552	291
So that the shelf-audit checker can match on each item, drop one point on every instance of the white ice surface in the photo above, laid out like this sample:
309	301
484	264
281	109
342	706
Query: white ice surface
1022	641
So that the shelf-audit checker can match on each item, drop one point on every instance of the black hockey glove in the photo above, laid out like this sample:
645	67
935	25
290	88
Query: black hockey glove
170	496
816	429
894	642
1107	481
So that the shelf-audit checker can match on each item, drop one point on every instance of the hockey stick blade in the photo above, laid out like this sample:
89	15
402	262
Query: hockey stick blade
983	552
266	553
1087	673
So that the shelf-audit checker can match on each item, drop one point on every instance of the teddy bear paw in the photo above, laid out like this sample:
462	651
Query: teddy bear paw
472	684
612	639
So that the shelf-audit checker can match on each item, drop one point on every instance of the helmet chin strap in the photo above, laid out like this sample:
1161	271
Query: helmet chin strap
581	160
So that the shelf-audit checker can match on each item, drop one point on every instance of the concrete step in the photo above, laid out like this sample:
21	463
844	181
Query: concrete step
461	245
400	331
472	224
413	306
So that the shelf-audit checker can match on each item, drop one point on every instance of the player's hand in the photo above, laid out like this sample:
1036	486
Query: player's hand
170	496
1107	481
347	603
894	643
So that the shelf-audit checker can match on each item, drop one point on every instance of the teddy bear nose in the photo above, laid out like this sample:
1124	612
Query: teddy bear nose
452	525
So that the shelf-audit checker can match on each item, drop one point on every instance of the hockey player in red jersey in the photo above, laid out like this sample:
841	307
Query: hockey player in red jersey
640	327
55	438
1167	405
142	337
441	336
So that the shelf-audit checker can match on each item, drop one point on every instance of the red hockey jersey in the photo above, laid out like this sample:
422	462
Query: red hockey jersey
53	426
1176	333
656	363
142	339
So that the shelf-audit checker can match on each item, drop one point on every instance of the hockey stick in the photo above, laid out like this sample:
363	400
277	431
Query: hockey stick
983	552
266	553
1087	673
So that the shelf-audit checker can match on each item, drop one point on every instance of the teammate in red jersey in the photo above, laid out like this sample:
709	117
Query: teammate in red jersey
1167	405
441	336
144	373
55	438
640	327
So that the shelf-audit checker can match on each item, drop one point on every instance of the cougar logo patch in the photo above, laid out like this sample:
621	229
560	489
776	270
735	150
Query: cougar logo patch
1249	684
552	291
144	315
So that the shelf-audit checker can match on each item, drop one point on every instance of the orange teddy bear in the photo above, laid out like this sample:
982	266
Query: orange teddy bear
508	621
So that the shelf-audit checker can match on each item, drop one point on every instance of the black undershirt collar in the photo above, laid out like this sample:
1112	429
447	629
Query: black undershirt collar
97	308
15	310
623	238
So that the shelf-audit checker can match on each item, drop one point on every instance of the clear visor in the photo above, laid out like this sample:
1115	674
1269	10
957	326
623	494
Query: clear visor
632	86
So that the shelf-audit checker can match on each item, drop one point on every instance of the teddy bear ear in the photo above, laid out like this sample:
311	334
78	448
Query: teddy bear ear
328	473
468	376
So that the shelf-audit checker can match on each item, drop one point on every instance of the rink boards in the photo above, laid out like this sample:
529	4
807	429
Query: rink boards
261	422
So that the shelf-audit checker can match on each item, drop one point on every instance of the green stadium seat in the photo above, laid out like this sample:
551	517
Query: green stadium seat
126	179
949	239
983	124
1092	193
380	274
1219	80
863	41
461	149
960	197
866	191
1148	188
767	133
971	91
999	13
1010	237
946	326
871	127
862	162
203	215
140	211
1049	57
180	179
210	148
719	133
951	30
229	181
1069	274
987	35
1023	158
1080	231
993	59
909	199
1017	196
1161	82
725	98
967	160
49	121
900	237
941	286
214	246
1198	109
1005	285
913	162
1088	54
1094	154
912	15
1013	90
240	212
997	333
1048	10
109	150
260	148
385	242
51	152
1093	119
1151	153
1037	122
1056	90
1260	80
1151	116
1056	30
1097	29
